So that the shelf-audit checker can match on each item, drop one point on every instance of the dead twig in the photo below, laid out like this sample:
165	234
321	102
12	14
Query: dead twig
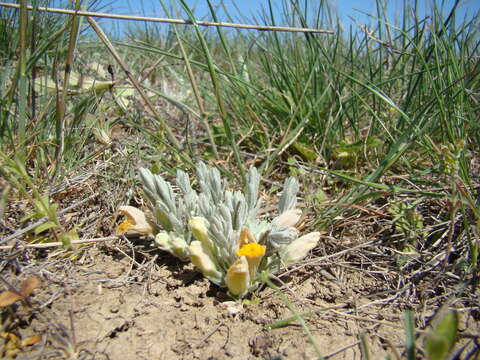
172	21
57	243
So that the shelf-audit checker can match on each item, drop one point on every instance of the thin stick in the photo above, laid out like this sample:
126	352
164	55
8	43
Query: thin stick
58	243
62	96
172	21
338	351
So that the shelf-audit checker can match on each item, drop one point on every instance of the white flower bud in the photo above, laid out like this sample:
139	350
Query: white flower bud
202	260
162	239
299	248
288	218
198	227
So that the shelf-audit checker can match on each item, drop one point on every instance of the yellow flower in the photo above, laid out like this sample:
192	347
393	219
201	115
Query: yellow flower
238	277
252	250
135	222
172	243
162	239
254	254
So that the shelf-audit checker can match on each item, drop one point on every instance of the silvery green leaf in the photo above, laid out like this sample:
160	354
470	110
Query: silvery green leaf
191	204
202	175
233	239
226	217
146	177
228	199
251	191
218	228
240	215
224	259
237	206
177	224
282	236
152	197
205	206
288	199
183	182
258	228
164	190
180	209
214	184
163	219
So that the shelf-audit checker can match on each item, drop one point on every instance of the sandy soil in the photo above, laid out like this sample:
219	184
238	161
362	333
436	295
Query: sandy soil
162	309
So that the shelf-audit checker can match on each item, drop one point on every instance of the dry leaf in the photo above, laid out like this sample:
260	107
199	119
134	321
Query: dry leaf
8	298
29	285
32	340
26	288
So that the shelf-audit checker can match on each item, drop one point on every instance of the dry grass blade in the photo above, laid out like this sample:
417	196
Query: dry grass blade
58	243
173	21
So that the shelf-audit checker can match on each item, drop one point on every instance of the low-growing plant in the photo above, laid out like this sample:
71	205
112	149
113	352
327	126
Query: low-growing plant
15	172
218	229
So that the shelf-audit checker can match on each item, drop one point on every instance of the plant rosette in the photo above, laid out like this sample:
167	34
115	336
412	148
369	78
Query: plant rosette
219	230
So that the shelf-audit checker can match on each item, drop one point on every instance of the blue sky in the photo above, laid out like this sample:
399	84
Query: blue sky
345	8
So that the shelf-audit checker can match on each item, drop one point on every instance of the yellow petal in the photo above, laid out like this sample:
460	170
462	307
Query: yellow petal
238	277
32	340
123	227
299	248
252	250
9	297
136	222
254	253
179	247
28	285
288	218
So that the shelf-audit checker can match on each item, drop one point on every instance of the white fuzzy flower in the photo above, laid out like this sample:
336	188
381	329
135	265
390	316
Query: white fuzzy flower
288	218
299	248
202	259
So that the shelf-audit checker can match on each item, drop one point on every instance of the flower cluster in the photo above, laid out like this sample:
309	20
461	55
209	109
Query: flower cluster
218	230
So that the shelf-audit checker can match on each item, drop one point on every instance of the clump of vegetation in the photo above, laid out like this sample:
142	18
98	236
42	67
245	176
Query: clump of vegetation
219	230
380	119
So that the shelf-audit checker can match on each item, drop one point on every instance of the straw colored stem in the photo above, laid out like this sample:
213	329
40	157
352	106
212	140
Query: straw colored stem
62	99
174	21
57	243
